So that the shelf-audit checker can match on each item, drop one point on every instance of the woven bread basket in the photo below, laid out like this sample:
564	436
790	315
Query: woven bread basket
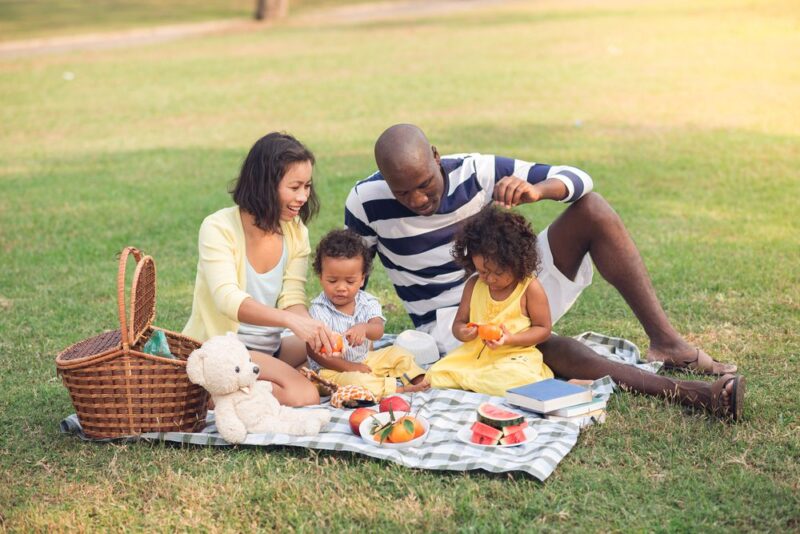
116	389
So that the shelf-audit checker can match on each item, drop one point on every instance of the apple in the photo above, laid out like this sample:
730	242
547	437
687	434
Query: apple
357	417
397	404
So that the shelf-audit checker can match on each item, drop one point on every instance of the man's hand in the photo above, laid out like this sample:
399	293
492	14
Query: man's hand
357	334
511	191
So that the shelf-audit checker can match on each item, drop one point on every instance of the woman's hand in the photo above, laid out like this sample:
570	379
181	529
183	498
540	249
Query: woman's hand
315	334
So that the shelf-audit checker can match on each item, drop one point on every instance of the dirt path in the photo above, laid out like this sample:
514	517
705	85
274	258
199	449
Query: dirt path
342	15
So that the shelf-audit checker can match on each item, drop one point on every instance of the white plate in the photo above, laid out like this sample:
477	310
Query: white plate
466	433
382	418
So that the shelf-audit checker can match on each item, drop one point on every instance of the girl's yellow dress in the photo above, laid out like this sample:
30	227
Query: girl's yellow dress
498	369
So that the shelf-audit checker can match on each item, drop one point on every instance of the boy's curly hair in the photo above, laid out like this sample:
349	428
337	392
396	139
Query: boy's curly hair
342	244
504	237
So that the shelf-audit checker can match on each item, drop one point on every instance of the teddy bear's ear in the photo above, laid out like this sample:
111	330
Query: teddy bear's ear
194	366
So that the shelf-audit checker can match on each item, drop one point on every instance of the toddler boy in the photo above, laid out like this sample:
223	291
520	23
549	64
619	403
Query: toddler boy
342	262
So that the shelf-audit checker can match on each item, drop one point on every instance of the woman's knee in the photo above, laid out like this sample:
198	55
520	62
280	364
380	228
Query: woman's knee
300	392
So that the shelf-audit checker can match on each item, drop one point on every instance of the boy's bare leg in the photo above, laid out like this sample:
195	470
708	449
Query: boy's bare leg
591	225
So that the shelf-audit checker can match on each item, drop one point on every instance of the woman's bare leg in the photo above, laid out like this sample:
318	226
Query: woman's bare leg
293	352
289	387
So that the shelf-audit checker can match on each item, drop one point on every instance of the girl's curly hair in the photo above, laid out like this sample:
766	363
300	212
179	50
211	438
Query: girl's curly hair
504	237
342	244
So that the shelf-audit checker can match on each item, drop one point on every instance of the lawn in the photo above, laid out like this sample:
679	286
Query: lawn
30	19
687	115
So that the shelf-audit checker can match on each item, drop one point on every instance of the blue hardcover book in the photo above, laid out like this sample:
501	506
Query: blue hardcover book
548	395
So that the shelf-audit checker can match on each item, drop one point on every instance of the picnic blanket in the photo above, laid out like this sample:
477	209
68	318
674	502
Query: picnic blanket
447	411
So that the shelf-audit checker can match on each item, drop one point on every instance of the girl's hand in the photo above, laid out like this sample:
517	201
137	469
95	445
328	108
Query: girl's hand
356	335
468	332
504	339
315	333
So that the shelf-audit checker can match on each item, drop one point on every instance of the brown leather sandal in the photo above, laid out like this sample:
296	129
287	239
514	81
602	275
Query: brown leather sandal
735	408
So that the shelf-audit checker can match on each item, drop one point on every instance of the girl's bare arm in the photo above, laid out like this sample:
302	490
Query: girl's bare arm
461	331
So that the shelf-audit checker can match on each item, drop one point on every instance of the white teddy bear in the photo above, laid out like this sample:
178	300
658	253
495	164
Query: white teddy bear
242	403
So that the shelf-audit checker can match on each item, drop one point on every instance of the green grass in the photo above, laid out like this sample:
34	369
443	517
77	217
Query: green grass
685	113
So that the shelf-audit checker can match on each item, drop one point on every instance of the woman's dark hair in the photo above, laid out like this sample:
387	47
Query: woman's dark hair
501	236
342	244
256	188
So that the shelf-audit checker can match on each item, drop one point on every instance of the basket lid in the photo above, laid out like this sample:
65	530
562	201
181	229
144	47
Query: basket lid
143	296
143	299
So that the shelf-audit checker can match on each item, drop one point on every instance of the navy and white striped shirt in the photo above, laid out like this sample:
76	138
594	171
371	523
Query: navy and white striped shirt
415	249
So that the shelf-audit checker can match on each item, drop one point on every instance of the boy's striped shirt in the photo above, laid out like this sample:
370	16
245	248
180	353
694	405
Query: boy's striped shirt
415	249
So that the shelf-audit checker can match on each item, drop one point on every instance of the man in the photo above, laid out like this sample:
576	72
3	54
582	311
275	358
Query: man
409	211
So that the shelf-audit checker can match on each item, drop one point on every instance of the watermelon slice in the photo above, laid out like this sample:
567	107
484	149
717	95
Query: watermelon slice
498	417
513	439
508	430
482	440
487	431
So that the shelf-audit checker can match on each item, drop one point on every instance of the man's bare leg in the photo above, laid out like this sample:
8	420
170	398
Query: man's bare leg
591	225
569	358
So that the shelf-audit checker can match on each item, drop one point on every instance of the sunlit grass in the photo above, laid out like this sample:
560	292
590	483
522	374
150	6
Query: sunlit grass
685	113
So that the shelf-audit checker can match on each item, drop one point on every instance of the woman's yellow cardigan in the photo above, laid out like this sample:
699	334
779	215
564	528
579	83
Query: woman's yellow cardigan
219	288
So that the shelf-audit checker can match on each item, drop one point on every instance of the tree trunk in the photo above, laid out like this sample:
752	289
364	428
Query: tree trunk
271	9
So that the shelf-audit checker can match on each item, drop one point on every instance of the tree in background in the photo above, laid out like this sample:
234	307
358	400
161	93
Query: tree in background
271	9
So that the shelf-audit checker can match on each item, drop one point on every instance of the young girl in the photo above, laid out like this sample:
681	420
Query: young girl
500	247
342	263
251	271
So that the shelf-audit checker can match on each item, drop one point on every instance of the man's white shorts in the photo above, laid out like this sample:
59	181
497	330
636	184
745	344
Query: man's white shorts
561	294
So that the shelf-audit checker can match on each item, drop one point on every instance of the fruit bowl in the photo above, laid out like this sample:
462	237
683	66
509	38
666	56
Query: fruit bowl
383	418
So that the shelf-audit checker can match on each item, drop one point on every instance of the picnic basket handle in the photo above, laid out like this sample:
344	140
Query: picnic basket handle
123	262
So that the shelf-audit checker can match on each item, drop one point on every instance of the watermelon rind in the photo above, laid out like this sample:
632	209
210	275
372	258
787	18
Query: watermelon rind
508	430
513	439
497	417
487	431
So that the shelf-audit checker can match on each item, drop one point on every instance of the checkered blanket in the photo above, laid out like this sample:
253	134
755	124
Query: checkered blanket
447	411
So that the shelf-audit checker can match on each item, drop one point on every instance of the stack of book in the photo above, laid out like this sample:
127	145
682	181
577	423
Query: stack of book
560	401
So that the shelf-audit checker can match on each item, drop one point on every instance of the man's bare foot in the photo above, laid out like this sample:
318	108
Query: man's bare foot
413	388
688	358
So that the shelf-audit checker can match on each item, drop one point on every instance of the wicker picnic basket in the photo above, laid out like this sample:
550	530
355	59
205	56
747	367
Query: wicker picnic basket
116	389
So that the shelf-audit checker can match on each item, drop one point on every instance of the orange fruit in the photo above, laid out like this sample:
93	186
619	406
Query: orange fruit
401	432
338	344
489	332
419	429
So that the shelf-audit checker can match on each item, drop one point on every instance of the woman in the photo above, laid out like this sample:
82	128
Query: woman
251	271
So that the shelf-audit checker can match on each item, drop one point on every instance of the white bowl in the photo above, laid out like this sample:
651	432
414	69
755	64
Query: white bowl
382	418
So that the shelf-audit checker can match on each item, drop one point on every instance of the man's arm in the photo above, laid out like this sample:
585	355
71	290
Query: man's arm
520	182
